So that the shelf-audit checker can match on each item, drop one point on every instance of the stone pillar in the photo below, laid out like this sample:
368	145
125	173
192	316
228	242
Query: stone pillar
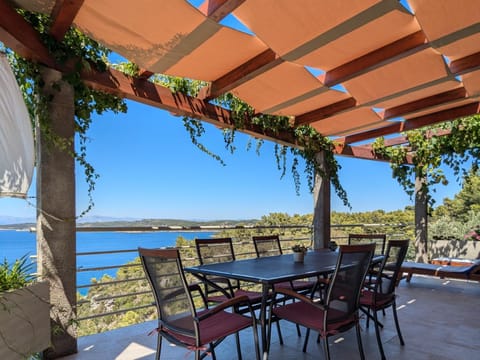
321	207
56	237
421	219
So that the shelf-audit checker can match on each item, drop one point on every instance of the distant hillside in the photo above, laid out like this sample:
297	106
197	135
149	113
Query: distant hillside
167	222
134	223
20	226
15	220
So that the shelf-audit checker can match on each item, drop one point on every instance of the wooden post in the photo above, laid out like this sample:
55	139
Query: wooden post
321	208
56	237
421	219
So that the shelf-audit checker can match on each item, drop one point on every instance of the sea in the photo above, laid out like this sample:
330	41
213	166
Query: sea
15	244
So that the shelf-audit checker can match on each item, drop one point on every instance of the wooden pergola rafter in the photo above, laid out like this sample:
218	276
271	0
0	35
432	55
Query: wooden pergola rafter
17	34
22	38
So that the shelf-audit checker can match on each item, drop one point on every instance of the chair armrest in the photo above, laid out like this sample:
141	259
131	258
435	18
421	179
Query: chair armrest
293	294
224	305
196	287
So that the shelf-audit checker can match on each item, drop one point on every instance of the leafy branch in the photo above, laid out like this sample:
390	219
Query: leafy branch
83	53
309	140
452	144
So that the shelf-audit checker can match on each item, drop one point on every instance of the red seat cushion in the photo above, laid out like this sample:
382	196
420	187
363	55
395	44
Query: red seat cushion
310	316
214	327
381	300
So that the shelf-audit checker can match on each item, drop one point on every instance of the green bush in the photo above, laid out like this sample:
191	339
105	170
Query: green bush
16	275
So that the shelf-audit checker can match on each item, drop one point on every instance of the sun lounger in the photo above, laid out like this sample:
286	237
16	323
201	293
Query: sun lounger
468	272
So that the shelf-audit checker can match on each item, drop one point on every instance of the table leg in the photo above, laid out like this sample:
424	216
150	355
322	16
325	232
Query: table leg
264	322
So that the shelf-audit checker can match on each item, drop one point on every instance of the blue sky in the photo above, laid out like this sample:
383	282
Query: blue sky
149	168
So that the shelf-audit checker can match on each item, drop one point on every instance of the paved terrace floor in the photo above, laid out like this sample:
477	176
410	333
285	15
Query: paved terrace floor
440	319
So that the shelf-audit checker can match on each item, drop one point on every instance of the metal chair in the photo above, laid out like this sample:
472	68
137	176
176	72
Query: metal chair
179	320
380	294
339	312
269	245
218	250
378	239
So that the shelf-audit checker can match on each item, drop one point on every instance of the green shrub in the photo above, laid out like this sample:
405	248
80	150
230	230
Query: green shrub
16	275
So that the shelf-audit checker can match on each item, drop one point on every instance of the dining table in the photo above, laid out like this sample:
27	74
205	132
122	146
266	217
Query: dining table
268	271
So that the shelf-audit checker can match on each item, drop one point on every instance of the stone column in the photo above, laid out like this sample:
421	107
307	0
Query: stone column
421	219
56	237
321	207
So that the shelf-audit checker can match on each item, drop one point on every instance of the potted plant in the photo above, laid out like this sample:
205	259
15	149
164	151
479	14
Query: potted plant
299	251
24	311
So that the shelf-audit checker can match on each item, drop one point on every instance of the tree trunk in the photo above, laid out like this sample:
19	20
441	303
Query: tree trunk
421	219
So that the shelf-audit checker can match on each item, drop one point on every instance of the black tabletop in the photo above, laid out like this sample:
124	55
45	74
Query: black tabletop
272	269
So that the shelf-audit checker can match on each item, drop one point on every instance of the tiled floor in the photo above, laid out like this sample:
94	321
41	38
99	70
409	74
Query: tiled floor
440	319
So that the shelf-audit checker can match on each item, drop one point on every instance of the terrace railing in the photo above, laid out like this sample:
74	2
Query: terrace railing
125	299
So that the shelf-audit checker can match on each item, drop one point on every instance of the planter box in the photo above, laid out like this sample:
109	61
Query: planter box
24	321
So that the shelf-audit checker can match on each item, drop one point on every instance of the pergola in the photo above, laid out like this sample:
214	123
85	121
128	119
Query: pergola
353	70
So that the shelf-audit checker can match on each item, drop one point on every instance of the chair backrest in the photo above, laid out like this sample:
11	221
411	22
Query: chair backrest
343	294
390	267
378	239
267	245
164	271
218	250
212	251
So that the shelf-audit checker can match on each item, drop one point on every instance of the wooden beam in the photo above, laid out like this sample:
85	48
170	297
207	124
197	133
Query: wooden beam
392	52
21	37
414	123
325	112
144	74
63	14
218	9
421	104
467	64
400	140
248	70
441	116
360	152
143	91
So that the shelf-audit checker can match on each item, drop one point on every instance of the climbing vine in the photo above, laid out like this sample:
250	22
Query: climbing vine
452	144
309	141
83	53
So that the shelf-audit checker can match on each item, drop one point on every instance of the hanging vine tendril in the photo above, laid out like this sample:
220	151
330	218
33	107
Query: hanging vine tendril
84	53
309	140
430	148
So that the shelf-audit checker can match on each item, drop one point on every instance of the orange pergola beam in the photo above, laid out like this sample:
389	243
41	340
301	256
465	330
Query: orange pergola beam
414	123
437	99
63	14
392	52
21	37
218	9
245	72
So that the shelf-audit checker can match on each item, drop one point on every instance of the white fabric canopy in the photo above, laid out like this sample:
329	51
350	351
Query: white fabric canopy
17	158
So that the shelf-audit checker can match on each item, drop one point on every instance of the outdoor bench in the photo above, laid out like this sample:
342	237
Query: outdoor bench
454	268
